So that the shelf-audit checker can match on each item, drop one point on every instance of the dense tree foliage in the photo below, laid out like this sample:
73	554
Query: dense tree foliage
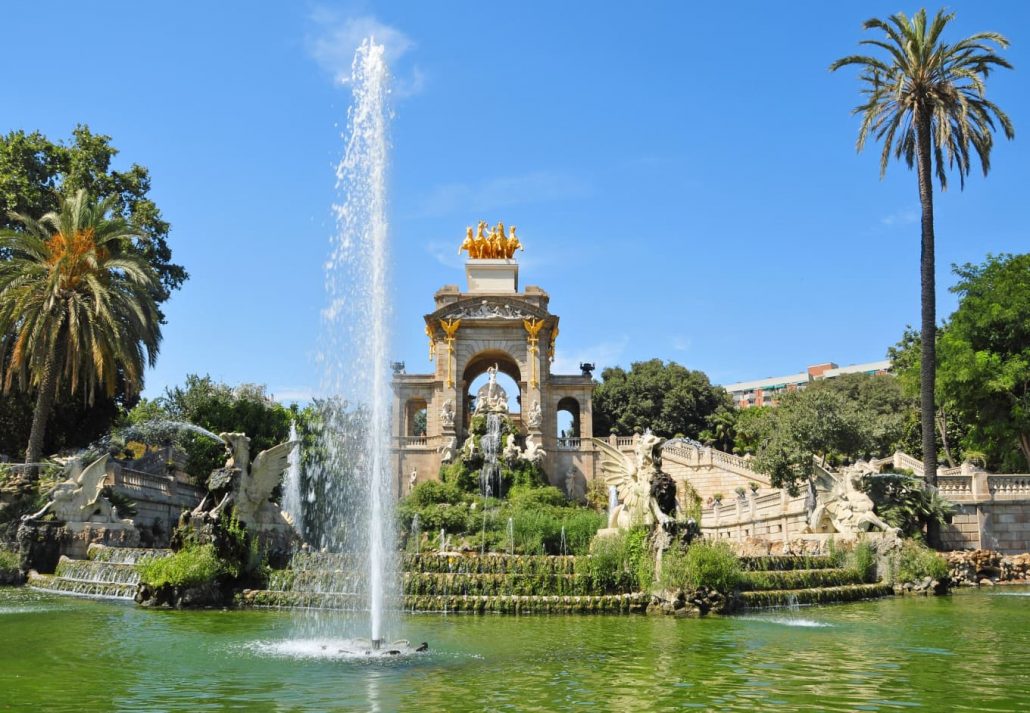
907	363
666	397
834	420
77	312
985	358
35	173
216	407
925	100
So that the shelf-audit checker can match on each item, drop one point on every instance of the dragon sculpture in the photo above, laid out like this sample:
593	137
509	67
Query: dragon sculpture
80	498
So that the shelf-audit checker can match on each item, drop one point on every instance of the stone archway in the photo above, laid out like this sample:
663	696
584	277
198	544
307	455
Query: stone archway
507	366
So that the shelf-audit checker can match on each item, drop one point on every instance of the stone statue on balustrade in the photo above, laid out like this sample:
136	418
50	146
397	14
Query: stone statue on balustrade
80	499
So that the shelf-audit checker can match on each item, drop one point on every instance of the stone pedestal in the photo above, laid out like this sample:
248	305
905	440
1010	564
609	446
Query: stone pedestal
492	276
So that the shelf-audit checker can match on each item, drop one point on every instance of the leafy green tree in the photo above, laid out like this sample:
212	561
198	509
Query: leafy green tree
722	429
219	408
807	425
881	410
926	102
751	429
36	172
985	358
666	397
77	310
906	360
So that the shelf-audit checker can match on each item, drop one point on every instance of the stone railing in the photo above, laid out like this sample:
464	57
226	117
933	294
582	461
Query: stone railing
774	515
422	442
1009	487
955	487
569	444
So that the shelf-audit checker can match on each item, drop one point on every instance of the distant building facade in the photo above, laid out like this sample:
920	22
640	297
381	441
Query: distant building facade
767	391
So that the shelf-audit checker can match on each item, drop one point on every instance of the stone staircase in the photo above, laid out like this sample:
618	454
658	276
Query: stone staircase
106	573
792	581
452	583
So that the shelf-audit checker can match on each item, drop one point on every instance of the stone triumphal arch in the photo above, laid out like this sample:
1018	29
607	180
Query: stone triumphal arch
492	324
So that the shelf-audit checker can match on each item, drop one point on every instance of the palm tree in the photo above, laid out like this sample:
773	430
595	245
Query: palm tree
77	311
926	102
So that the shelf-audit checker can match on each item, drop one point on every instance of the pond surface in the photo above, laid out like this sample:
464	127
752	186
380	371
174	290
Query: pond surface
969	651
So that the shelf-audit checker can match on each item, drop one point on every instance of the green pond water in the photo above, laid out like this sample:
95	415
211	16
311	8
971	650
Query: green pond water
969	651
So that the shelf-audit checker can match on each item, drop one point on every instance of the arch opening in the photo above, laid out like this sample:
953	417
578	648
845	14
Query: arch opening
567	422
509	378
415	417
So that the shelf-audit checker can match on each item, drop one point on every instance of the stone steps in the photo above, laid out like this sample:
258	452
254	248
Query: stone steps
791	579
107	573
81	588
780	563
612	603
816	595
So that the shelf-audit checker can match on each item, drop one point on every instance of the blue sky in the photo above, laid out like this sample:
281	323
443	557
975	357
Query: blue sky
683	175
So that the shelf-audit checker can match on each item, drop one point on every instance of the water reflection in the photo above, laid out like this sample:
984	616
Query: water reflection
967	652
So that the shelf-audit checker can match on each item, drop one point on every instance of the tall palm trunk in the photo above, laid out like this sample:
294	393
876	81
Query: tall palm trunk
44	405
928	366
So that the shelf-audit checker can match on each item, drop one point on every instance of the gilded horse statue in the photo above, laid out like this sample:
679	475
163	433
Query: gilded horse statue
496	245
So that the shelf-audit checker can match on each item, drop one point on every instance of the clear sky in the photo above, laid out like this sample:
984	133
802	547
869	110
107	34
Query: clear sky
683	174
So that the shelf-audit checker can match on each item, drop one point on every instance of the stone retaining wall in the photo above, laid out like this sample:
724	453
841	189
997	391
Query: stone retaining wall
975	567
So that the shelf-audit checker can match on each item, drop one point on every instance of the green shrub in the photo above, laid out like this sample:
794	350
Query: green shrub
862	559
9	561
430	492
915	561
581	525
638	556
460	476
607	563
191	566
904	501
524	497
838	556
704	564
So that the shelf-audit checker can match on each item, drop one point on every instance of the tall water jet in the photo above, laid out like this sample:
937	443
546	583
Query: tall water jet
293	502
355	482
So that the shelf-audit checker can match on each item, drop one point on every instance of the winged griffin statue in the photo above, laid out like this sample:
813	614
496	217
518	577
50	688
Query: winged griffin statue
79	498
252	489
634	477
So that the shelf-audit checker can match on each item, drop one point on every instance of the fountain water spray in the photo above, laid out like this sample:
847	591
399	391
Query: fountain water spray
293	503
355	480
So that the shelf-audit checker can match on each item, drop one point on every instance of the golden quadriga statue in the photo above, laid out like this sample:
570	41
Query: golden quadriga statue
495	246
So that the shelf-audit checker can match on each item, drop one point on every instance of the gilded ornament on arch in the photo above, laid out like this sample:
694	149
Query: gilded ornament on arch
432	342
533	327
450	328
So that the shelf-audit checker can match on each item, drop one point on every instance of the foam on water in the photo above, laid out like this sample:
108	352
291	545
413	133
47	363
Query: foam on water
1010	594
333	649
790	621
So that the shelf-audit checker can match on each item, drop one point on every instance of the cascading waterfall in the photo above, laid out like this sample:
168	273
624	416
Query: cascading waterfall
490	475
293	502
354	482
